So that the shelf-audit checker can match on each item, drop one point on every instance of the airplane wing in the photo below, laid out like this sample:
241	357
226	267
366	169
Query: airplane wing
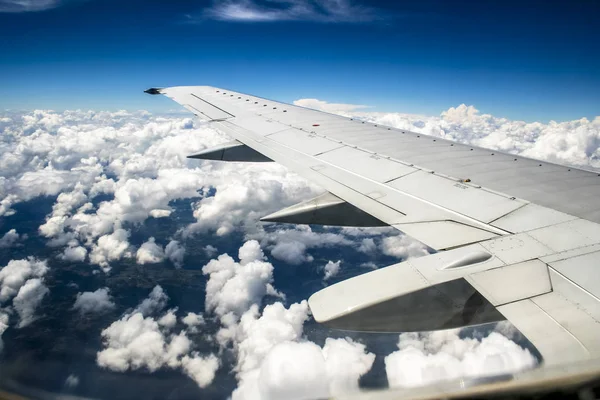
517	238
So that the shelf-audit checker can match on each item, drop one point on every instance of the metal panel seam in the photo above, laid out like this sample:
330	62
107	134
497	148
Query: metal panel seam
212	105
557	323
580	288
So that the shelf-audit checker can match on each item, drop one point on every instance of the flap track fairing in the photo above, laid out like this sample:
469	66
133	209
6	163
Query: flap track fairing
326	209
231	151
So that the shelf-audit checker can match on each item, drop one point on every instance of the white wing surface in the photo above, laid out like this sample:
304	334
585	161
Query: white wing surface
520	237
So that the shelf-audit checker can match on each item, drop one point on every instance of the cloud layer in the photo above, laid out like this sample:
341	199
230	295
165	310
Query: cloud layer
110	173
17	6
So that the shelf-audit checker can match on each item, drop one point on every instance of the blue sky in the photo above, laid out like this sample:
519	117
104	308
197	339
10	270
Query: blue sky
530	60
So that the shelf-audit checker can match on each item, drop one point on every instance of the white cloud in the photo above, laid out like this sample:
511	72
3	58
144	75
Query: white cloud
274	362
210	251
10	239
133	342
201	369
160	213
150	253
175	252
4	319
292	371
424	358
74	252
110	248
94	302
367	246
14	275
155	302
169	320
370	265
346	362
28	298
403	247
232	287
22	281
249	192
192	320
326	11
250	251
18	6
72	381
141	342
331	269
291	245
262	342
291	252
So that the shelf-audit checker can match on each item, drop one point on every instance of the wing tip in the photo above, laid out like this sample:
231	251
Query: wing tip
153	91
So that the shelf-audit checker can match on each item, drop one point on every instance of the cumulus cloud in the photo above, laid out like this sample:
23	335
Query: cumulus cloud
192	320
201	369
150	253
291	252
94	302
331	269
232	287
72	381
304	370
22	281
74	252
367	246
250	251
4	320
137	341
169	320
248	193
327	11
291	245
210	251
28	298
175	252
274	362
402	246
14	275
155	302
110	248
424	358
10	239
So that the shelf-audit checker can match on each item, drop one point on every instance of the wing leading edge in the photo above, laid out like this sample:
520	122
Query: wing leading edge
521	234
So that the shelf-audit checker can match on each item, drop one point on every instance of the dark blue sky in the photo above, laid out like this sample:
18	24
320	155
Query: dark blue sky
531	60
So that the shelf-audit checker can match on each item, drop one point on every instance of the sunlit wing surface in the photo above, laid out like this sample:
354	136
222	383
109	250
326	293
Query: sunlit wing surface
521	237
